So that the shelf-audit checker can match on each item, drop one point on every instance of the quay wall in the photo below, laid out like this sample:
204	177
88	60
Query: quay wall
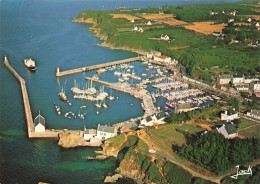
95	67
27	108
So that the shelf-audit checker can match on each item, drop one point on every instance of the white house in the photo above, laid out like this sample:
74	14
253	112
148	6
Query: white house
257	24
254	114
222	80
148	23
89	133
217	33
249	80
229	115
148	121
255	86
137	29
242	87
231	20
228	130
237	79
132	21
165	37
249	20
39	123
105	132
165	59
154	119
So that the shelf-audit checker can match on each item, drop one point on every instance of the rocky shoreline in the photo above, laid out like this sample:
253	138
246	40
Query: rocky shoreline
104	38
72	140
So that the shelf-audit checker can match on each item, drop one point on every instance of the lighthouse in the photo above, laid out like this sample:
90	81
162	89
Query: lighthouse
58	70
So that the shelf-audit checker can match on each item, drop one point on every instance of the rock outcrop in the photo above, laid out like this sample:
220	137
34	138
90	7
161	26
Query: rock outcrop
71	140
112	179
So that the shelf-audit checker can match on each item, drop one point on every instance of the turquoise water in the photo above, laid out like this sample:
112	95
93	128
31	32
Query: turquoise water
43	30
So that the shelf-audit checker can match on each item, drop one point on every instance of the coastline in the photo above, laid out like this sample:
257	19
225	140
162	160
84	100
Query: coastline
104	38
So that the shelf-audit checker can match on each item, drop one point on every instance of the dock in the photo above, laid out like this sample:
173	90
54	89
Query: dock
98	66
147	104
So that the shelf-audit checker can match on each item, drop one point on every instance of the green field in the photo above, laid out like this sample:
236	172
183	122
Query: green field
206	56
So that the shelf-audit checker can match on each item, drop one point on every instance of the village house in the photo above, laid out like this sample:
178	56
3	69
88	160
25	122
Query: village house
105	132
229	115
255	86
249	20
217	34
228	131
132	21
152	53
249	80
231	20
165	37
164	59
224	79
242	87
257	24
254	113
155	119
148	23
137	29
237	79
39	123
89	133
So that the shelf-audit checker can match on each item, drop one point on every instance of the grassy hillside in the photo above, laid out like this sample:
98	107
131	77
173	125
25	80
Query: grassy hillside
205	56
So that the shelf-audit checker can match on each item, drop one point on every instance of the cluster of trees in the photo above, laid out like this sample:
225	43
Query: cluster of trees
217	154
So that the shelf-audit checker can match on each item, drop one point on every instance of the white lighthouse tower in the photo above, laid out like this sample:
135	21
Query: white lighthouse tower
58	70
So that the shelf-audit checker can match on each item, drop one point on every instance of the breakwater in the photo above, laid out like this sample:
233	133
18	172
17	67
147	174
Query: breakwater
48	133
27	108
95	67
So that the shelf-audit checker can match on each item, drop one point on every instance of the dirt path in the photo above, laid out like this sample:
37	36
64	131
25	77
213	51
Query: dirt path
144	137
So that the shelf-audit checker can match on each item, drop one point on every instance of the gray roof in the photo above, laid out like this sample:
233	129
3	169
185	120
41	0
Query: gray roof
39	120
160	115
230	129
105	128
138	121
90	131
149	118
231	112
238	76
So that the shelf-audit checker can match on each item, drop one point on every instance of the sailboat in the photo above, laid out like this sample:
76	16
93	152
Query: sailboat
111	97
97	105
62	95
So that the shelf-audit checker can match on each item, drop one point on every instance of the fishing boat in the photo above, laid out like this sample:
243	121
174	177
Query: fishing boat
105	106
62	95
84	106
30	64
97	105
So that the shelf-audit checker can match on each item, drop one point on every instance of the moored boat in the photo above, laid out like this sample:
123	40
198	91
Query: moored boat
62	95
30	64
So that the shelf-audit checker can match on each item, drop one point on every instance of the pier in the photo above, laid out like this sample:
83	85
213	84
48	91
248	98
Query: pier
27	108
49	133
98	66
143	94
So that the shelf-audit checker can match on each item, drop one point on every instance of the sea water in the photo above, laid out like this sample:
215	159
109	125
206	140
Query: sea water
43	31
